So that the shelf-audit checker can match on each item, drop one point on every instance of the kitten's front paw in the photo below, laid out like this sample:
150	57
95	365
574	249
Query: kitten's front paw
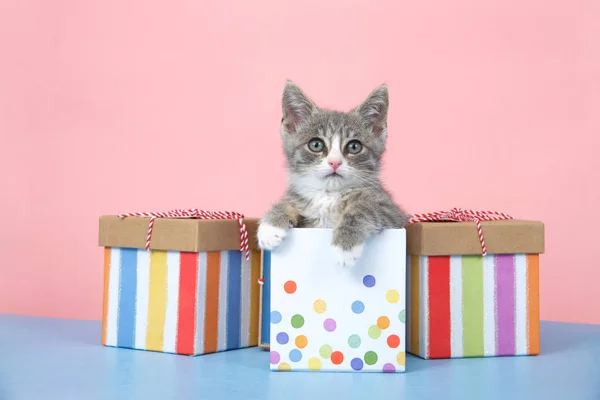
269	236
347	258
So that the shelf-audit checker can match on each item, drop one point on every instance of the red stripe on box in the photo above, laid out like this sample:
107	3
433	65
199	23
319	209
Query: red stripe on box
186	321
439	307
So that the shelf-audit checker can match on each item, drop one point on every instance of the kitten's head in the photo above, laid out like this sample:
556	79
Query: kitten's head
331	150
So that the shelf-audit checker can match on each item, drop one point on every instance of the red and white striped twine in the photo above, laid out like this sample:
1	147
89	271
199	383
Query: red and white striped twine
199	214
460	215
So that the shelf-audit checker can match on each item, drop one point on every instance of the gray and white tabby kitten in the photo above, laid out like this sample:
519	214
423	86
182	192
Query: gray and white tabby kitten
334	159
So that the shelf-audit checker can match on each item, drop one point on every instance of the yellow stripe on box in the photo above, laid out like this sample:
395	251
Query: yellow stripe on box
157	306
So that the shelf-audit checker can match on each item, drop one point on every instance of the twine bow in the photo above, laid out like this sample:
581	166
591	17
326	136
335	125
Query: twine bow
198	214
460	215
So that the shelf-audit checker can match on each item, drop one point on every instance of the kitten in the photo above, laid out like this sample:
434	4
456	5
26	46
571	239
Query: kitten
334	159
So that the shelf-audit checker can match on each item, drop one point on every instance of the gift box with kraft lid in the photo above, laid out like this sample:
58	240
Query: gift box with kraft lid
180	284
472	294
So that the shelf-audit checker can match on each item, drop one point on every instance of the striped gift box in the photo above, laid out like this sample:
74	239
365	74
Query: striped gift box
178	302
183	302
469	305
474	306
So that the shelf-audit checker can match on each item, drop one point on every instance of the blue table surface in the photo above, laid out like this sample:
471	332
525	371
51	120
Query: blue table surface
50	359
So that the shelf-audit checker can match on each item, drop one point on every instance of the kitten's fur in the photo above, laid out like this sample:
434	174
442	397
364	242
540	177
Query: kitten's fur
353	203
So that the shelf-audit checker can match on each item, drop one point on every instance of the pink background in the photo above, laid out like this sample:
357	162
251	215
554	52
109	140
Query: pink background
110	106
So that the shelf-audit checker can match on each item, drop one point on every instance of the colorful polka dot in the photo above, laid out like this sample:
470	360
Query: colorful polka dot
374	332
275	317
393	341
320	306
290	287
301	342
392	296
297	321
325	351
370	358
358	307
282	338
284	367
275	357
383	322
295	355
337	357
329	325
314	364
354	341
401	358
369	280
402	316
389	368
356	364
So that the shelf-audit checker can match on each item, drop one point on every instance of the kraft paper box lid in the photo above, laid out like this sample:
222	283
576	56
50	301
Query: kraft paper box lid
454	238
178	234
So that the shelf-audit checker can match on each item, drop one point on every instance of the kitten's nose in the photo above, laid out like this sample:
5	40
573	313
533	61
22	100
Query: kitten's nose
335	164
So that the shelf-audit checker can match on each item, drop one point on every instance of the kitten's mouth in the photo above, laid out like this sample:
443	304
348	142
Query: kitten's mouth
333	175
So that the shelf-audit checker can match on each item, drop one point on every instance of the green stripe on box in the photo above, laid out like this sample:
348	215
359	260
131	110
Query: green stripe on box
472	289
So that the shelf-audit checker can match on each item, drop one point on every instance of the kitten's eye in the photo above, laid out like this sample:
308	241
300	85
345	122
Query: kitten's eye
316	145
354	147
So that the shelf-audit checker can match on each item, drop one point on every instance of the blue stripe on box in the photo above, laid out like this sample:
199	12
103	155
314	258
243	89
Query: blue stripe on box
234	298
127	295
265	328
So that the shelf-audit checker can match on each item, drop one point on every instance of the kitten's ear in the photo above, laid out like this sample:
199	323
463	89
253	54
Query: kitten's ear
374	110
296	106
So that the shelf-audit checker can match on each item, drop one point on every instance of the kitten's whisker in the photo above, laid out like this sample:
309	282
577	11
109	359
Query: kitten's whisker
365	180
